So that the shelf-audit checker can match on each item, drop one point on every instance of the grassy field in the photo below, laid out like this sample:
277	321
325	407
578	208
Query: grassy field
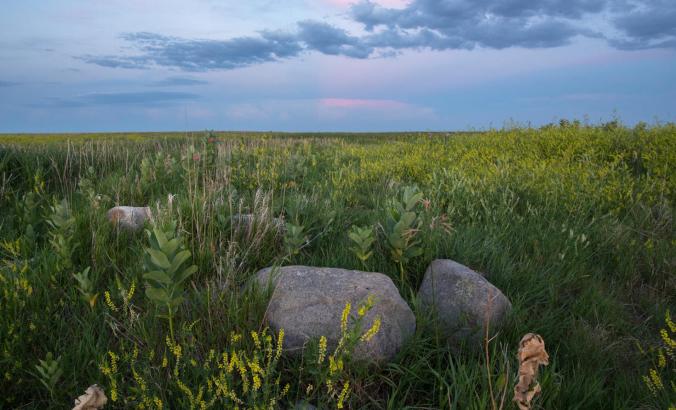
573	223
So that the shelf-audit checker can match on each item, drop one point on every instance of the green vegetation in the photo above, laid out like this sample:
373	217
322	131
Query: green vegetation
573	223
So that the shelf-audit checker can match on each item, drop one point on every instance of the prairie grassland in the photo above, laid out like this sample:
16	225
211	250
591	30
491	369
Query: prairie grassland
574	224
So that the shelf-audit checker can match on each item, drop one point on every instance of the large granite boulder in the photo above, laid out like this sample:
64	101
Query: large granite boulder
463	301
307	302
131	218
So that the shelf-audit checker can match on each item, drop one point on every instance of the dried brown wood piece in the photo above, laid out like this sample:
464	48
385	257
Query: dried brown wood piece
531	354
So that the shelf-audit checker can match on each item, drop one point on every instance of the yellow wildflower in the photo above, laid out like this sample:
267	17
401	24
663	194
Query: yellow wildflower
256	382
343	394
254	337
372	331
280	342
322	349
109	301
344	317
656	379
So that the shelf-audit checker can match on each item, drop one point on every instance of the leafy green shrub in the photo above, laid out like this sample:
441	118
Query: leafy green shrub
49	372
62	239
294	239
362	242
166	271
85	286
401	228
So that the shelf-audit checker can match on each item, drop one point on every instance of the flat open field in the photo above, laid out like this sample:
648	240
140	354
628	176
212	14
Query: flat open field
573	224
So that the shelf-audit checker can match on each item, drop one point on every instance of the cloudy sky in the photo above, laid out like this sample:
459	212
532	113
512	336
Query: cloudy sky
332	65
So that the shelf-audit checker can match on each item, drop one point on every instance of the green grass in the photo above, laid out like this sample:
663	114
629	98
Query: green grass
574	224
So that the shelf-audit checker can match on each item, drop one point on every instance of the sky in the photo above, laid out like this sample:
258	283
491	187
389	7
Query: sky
333	65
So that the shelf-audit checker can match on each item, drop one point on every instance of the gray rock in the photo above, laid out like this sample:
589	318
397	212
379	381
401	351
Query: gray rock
303	405
307	302
131	218
463	301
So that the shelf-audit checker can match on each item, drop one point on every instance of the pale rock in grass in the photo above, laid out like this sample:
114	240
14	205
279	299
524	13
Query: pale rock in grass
303	405
131	218
307	302
462	301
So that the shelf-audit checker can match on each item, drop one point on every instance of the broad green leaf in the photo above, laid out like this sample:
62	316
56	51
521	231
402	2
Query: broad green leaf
158	258
186	273
170	247
178	261
158	276
157	295
160	236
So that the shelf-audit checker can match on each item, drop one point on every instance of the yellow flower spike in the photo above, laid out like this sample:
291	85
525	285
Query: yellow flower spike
132	289
233	362
668	341
343	394
256	340
113	361
256	382
280	342
109	301
661	360
372	331
322	350
672	325
656	379
344	317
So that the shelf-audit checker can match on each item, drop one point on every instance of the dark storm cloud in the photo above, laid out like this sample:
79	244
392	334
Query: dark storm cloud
422	24
456	24
201	55
520	23
651	25
326	39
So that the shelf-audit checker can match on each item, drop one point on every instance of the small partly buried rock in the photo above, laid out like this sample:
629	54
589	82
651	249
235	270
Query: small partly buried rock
307	302
131	218
463	301
303	405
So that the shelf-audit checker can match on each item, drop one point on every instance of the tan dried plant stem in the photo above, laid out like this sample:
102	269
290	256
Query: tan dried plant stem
531	355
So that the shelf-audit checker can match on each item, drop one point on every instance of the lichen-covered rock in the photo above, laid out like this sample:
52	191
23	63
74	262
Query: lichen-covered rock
307	302
463	301
131	218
